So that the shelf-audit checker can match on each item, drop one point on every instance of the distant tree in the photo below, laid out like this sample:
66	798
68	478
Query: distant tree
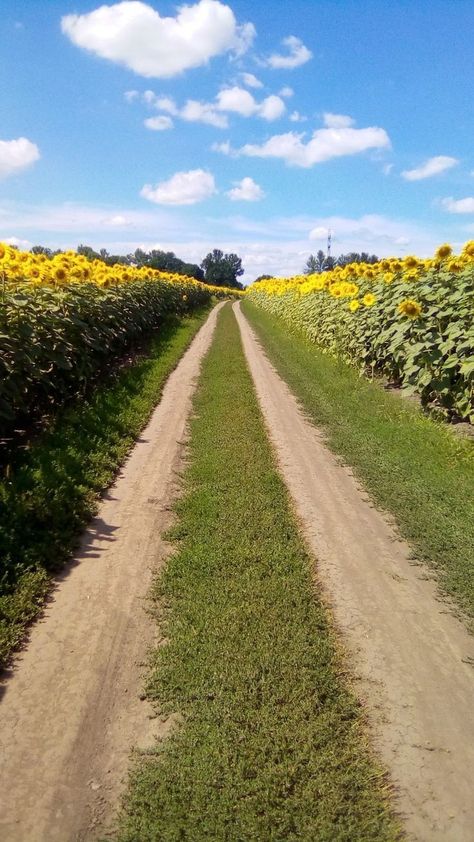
166	261
222	270
356	257
315	263
262	278
44	250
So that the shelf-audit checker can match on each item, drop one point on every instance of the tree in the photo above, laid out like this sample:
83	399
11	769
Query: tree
166	261
356	257
263	278
222	270
315	263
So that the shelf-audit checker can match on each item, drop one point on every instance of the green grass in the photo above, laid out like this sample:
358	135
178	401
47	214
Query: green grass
414	467
53	488
272	746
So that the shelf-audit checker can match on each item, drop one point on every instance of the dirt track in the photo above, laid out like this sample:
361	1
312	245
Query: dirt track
414	661
71	713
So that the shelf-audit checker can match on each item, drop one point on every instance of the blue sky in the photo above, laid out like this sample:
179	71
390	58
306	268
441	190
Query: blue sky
253	127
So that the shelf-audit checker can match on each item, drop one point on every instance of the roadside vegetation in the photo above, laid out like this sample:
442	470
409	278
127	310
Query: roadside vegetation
409	320
50	489
416	468
270	743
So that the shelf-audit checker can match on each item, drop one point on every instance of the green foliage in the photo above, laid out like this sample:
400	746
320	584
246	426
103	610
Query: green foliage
222	270
432	355
54	340
52	488
272	745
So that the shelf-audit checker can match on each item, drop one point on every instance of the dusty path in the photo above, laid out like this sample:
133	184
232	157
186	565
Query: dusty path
71	712
414	661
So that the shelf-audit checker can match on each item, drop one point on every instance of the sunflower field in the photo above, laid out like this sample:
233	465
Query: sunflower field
408	320
63	319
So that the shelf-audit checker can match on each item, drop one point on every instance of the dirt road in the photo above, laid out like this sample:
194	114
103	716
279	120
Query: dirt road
413	661
71	712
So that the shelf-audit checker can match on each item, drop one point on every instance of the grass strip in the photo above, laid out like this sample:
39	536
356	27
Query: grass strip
53	488
414	467
271	745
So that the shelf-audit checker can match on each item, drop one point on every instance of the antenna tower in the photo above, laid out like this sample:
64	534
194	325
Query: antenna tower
329	244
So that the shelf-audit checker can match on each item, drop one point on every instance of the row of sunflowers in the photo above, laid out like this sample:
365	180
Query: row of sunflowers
63	319
409	320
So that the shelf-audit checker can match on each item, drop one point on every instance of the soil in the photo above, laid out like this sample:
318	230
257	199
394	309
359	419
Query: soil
71	712
412	660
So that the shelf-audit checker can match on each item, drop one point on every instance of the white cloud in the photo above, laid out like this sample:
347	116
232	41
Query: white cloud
16	155
298	54
324	145
225	148
235	100
318	233
134	34
296	117
286	92
117	221
203	112
387	168
159	124
246	190
131	96
337	121
433	166
238	100
18	242
459	205
271	108
183	188
251	81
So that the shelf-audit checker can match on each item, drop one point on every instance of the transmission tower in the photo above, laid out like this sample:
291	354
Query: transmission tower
329	244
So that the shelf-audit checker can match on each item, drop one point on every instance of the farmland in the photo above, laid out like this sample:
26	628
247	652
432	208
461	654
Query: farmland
408	320
310	509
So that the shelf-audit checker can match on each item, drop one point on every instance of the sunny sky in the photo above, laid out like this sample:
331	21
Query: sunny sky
250	126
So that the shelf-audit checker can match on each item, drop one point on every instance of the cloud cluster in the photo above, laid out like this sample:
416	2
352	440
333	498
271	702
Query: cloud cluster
183	188
459	205
234	100
297	55
246	190
324	145
133	34
16	155
433	166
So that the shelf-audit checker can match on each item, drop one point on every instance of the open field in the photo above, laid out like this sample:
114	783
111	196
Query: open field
305	677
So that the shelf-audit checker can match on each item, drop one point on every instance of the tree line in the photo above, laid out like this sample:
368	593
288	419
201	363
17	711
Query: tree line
217	268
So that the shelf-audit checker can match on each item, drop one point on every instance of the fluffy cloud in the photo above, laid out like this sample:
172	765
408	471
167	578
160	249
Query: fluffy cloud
433	166
251	81
234	100
296	117
297	55
246	190
133	34
159	124
16	155
325	144
337	121
183	188
240	101
459	205
286	91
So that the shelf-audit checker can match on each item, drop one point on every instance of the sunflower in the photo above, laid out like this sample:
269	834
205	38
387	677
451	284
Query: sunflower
443	252
410	308
369	299
354	305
